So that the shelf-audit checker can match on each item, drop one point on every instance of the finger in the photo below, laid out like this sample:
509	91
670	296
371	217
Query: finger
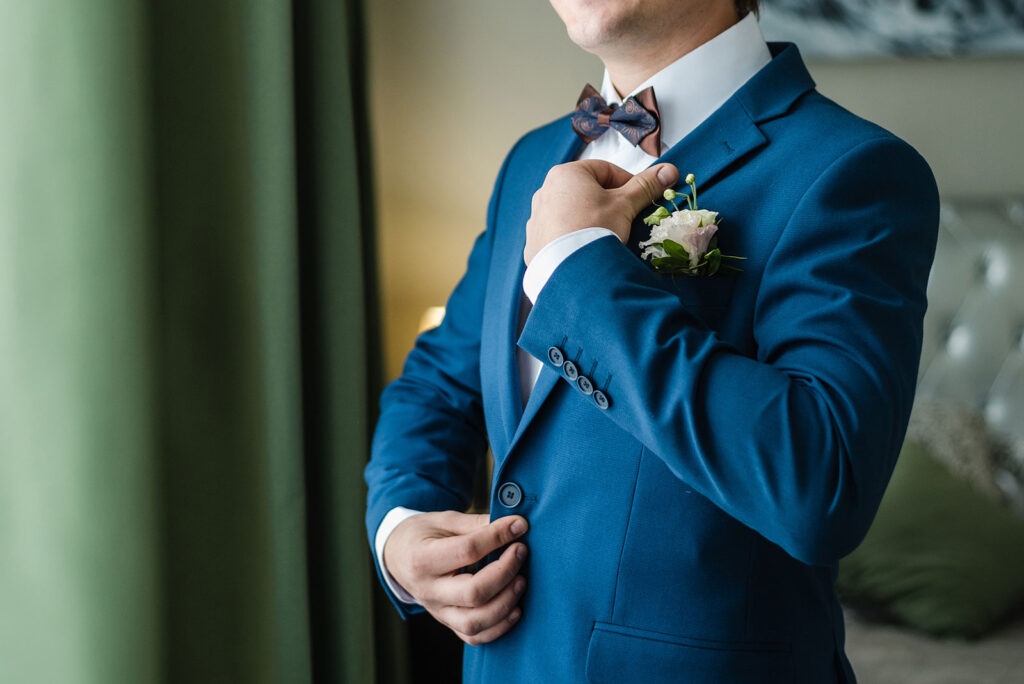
473	590
473	621
467	523
608	175
465	549
648	185
498	630
462	523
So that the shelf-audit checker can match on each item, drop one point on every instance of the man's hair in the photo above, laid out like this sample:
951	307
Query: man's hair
744	6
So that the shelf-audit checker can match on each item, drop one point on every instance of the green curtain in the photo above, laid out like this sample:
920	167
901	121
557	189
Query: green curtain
188	343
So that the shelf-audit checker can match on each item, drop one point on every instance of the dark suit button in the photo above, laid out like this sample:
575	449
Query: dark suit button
570	370
509	494
556	356
602	400
583	382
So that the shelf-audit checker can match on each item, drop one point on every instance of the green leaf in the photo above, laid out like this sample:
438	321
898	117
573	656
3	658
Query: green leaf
675	249
714	258
670	265
655	217
669	261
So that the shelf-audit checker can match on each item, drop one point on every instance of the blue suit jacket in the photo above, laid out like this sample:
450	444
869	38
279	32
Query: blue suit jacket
690	529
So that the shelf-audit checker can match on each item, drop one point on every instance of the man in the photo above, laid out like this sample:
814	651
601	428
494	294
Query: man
679	462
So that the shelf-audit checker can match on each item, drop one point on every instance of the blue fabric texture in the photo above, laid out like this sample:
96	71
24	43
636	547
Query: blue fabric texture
690	529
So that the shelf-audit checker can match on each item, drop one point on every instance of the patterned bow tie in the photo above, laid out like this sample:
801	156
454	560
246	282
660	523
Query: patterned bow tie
637	119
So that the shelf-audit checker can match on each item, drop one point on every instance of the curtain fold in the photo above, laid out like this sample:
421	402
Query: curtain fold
342	369
228	360
188	336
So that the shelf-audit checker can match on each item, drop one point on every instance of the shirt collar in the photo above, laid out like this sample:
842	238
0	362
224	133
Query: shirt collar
691	88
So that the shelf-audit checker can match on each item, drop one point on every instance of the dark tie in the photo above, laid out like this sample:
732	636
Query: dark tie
637	119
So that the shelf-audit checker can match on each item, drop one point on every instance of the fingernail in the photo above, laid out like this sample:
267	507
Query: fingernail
667	174
519	585
518	527
514	617
521	552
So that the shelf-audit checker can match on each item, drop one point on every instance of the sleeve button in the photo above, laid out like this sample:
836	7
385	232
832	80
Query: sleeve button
570	370
556	356
585	385
602	400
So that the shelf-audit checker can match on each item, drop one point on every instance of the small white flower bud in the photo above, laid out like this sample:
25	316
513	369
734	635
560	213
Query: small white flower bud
670	194
690	179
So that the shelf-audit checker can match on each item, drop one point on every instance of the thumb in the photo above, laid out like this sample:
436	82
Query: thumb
648	185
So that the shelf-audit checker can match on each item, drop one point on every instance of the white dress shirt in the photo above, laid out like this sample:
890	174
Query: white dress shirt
688	91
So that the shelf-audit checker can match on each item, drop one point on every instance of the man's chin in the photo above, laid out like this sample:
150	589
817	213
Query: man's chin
595	38
607	29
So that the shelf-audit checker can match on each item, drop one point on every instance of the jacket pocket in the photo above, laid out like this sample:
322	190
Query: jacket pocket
703	291
624	654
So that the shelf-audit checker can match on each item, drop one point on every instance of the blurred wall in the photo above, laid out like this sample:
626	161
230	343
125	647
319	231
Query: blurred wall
454	83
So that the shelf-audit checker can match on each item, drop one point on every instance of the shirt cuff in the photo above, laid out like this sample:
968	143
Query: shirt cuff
553	254
393	519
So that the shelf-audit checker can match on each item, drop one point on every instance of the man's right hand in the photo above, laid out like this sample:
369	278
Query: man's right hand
426	553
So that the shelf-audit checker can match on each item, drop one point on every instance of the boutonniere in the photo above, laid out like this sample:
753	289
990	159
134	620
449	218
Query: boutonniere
683	241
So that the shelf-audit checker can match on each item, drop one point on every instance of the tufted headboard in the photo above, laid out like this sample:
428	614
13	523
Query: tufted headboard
973	351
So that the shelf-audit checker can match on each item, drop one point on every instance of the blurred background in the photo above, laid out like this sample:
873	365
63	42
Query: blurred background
221	227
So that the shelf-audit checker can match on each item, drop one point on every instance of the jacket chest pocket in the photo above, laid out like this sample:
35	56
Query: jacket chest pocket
701	291
707	298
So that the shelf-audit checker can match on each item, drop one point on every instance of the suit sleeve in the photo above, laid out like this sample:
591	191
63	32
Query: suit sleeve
431	430
799	442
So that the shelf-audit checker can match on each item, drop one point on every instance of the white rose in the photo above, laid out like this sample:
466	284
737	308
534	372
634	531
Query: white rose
707	218
691	229
696	242
651	251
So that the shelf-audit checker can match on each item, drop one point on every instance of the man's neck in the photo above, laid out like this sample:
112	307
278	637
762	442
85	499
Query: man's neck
631	63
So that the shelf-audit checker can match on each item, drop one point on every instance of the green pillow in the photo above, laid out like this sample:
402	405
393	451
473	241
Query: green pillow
940	557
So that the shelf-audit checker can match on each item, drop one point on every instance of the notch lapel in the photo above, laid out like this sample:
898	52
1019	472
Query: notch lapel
563	148
546	382
731	133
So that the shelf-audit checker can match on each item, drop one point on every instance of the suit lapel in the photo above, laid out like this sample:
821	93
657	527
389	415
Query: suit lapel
727	138
731	134
546	382
563	148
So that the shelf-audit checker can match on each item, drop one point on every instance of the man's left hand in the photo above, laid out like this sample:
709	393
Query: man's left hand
592	193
